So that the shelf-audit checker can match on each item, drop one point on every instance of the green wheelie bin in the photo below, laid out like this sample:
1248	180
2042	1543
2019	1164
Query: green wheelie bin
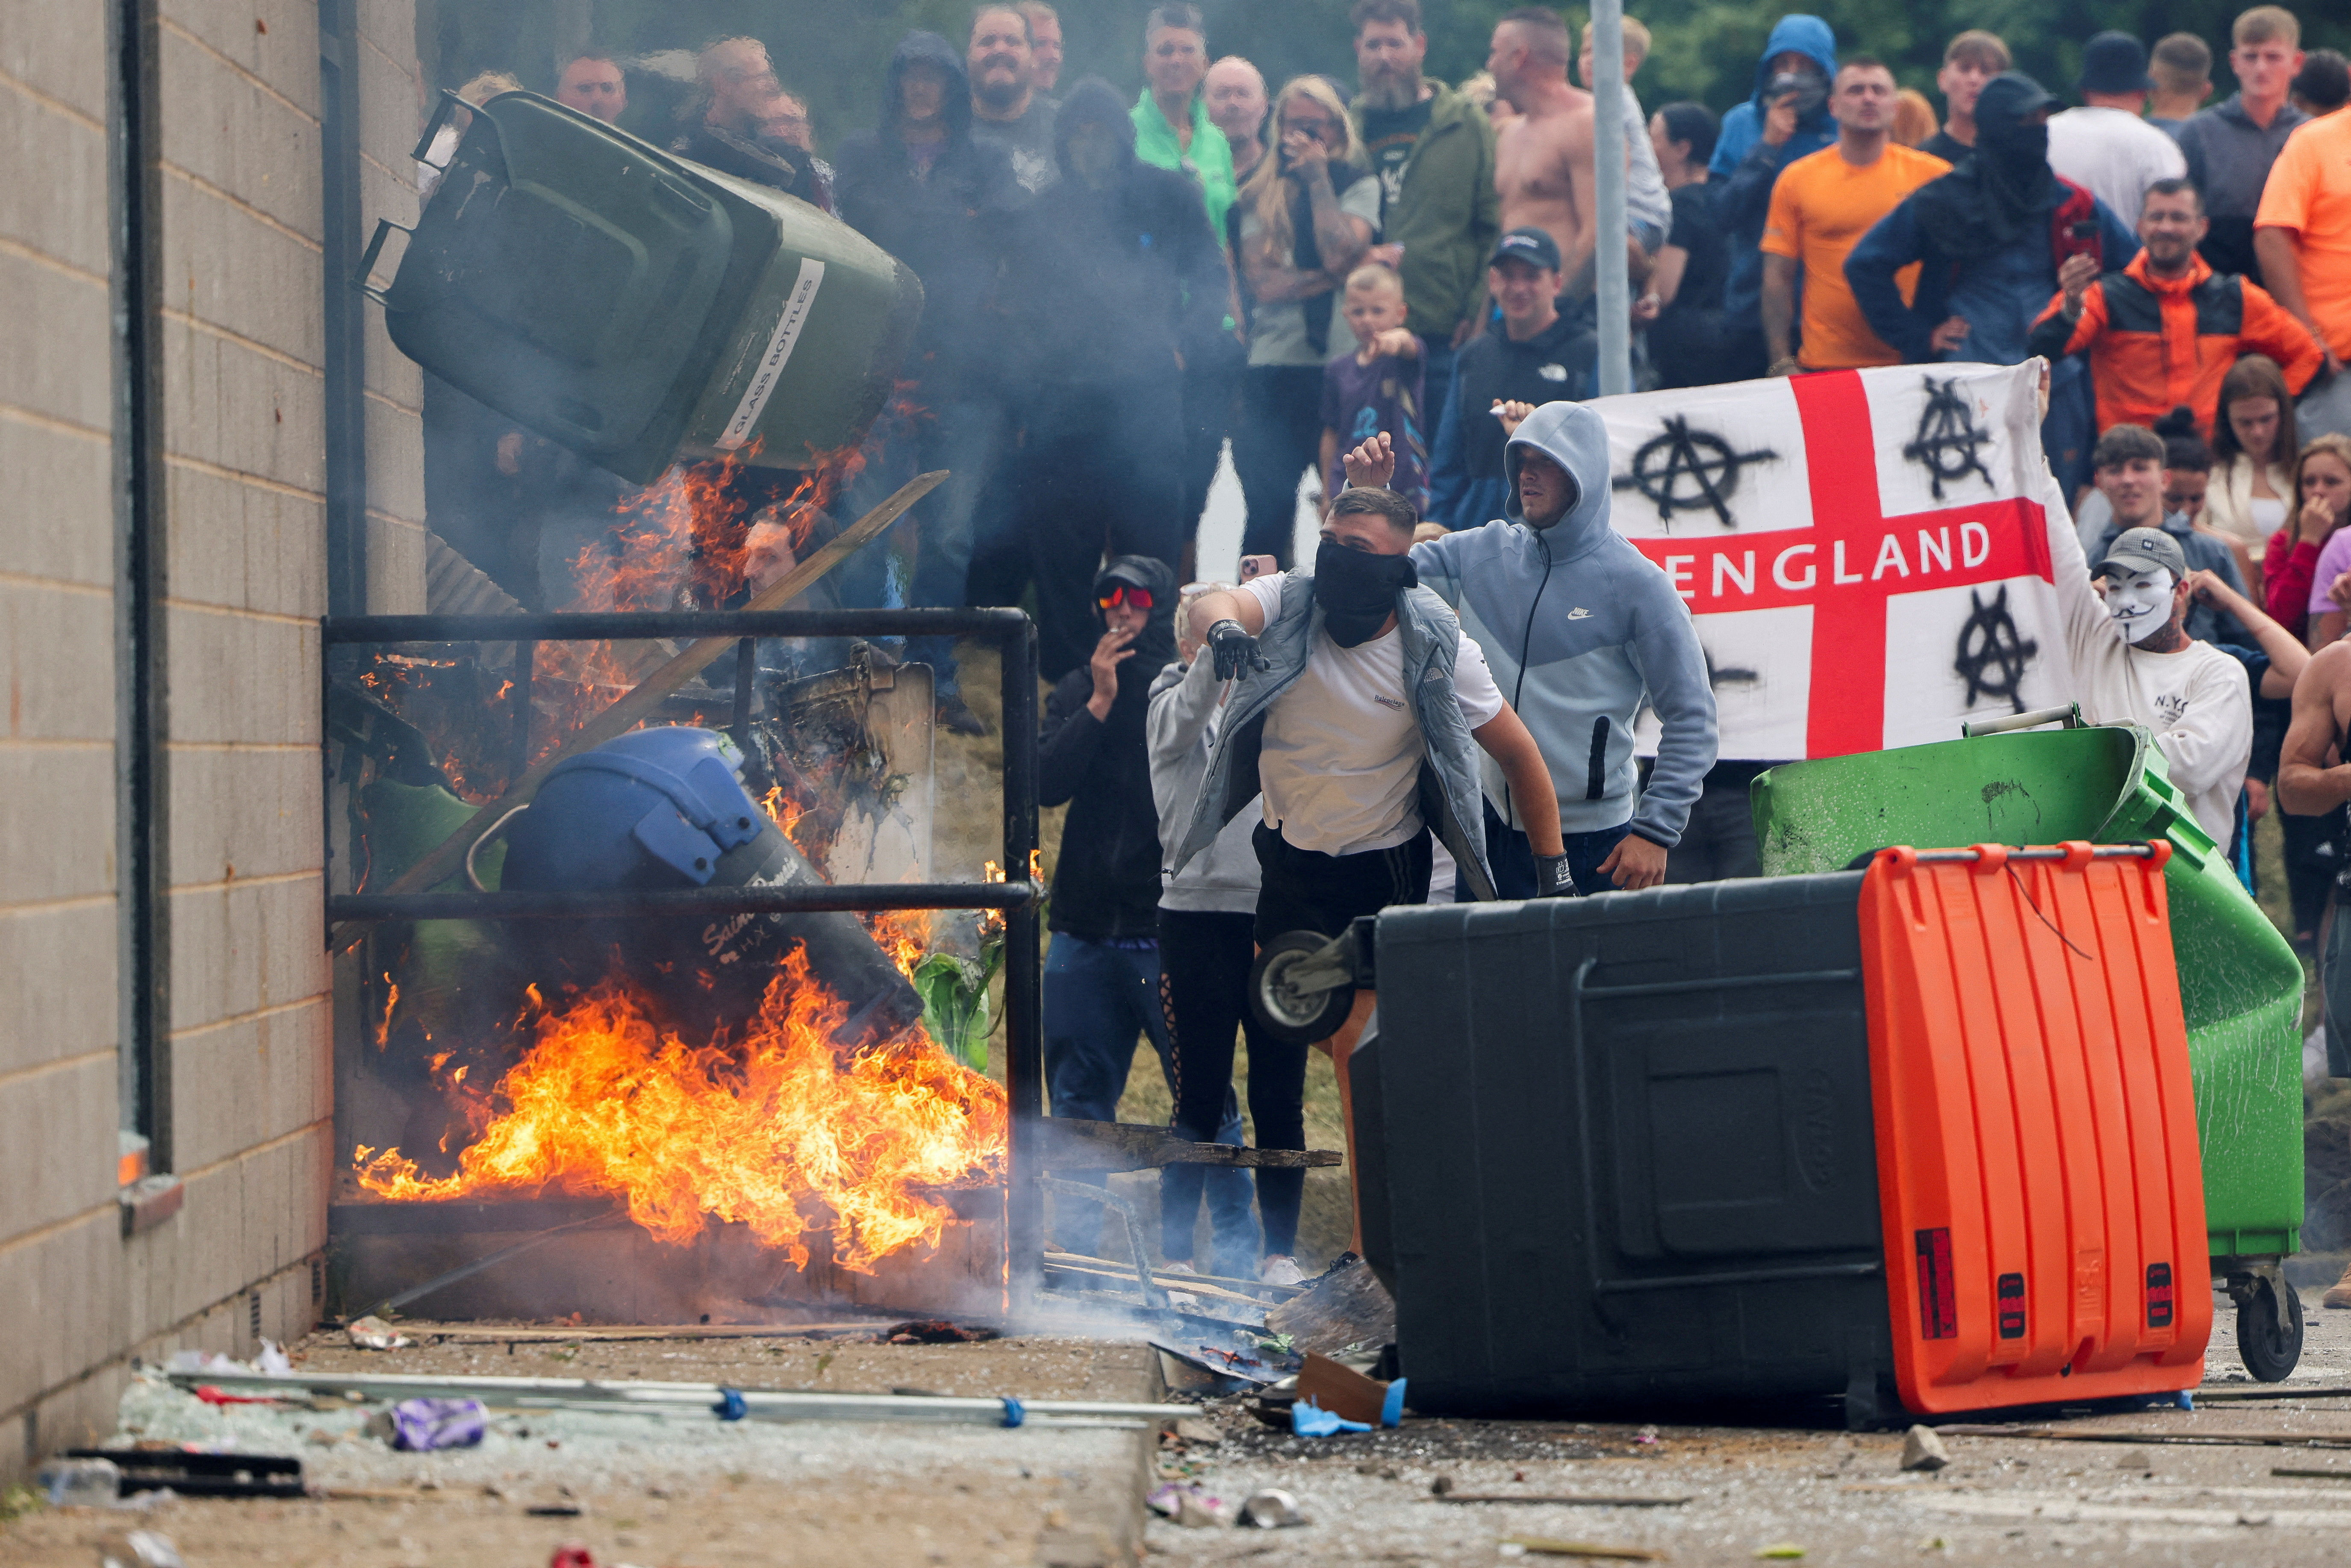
2241	985
637	308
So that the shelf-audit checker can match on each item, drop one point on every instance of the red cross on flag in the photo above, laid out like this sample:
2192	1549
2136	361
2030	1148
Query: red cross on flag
1865	552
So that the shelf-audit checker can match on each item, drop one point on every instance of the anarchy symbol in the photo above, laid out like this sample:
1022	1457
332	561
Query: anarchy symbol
1992	656
1948	437
1703	460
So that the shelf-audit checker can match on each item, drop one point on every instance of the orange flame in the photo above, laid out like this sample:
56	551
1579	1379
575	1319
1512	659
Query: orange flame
756	1133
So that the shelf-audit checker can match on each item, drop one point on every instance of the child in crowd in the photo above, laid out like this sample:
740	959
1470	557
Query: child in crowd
1376	388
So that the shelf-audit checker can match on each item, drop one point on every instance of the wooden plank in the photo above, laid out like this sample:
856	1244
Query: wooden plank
1069	1142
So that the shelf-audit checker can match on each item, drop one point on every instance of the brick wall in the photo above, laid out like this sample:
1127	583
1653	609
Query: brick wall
240	339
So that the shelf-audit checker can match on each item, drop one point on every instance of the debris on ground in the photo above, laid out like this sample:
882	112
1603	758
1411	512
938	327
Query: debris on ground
372	1332
1271	1508
1922	1450
1308	1419
139	1549
1191	1429
1347	1308
79	1483
1347	1392
937	1331
1786	1552
1544	1545
1189	1505
421	1425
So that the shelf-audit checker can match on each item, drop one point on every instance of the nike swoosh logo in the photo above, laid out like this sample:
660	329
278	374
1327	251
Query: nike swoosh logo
1579	613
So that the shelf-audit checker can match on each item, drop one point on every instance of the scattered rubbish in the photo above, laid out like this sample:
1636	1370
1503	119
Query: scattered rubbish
1561	1500
1645	1438
570	1554
272	1361
210	1395
1187	1504
1345	1391
140	1548
731	1406
1785	1552
1218	1362
198	1475
421	1425
2273	1392
370	1332
79	1483
1308	1419
1441	1487
1191	1429
937	1331
557	1510
203	1361
694	1400
2310	1475
1543	1545
1271	1508
1348	1305
1923	1451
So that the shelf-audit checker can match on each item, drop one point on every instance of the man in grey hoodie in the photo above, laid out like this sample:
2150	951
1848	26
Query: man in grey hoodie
1579	628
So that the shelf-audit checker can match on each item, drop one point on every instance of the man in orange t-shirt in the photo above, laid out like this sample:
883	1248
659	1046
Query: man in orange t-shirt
1820	206
2302	232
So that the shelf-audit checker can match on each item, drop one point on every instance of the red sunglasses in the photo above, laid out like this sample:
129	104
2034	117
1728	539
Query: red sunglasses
1138	597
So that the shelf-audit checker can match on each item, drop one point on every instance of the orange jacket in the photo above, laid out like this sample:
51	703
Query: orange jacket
2158	342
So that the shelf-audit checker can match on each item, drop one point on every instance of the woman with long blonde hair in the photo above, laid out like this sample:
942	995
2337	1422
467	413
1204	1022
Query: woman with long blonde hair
1307	216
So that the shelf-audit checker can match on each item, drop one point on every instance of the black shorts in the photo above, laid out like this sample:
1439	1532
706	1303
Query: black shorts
1306	890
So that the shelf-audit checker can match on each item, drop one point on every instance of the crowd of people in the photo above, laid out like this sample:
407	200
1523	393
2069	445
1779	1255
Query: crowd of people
1383	300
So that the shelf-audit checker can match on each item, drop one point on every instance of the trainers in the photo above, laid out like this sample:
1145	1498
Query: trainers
2339	1293
1280	1268
956	716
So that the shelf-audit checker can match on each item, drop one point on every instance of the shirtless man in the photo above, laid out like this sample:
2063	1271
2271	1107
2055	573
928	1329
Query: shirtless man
1544	157
2314	781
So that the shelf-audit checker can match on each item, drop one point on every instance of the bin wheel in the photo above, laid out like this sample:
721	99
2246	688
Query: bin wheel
1291	992
2270	1352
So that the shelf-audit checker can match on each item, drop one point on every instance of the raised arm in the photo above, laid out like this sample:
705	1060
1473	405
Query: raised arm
2287	657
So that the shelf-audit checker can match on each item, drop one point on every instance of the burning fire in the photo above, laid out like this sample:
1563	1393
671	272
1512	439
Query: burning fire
771	1132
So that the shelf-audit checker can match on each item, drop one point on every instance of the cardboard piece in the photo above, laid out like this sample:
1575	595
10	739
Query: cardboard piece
1344	1392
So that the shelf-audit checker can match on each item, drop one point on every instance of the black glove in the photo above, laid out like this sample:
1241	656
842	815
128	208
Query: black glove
1235	650
1551	879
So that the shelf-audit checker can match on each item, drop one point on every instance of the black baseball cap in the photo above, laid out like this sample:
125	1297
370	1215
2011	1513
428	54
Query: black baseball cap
1531	244
2113	62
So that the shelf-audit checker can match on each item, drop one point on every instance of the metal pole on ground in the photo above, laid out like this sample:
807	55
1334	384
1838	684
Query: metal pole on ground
1612	297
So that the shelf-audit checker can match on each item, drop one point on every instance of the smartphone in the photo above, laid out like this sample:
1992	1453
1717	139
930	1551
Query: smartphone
1254	566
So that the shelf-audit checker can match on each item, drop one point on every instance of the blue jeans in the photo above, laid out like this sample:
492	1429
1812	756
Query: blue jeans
1513	859
1098	997
966	438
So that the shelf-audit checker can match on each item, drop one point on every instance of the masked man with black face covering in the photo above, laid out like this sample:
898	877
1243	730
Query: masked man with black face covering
1359	708
1992	234
1102	983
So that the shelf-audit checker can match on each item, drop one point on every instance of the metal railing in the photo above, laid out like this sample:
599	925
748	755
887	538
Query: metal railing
1017	897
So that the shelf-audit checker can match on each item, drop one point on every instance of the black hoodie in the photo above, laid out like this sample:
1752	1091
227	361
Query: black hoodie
1110	285
1106	881
947	221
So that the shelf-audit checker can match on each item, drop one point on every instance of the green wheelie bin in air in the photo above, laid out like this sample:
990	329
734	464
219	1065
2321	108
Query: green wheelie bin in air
2241	985
639	309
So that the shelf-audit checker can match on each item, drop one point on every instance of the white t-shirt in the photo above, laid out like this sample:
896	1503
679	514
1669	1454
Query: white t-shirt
1341	763
2197	701
2116	153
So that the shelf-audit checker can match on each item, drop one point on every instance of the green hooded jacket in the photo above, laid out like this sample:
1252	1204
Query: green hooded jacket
1446	215
1210	161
